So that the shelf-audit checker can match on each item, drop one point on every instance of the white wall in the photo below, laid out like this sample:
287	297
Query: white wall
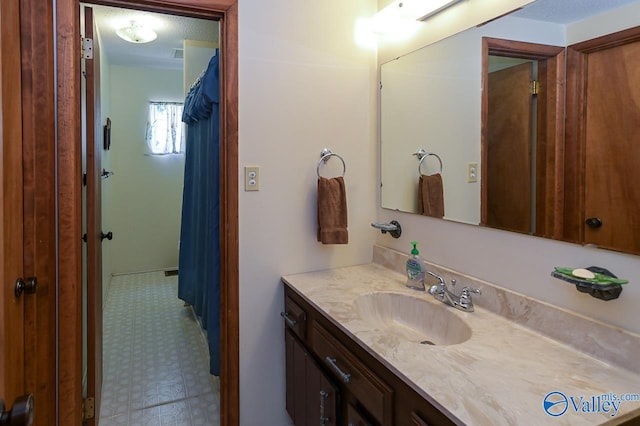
304	85
145	195
524	263
197	55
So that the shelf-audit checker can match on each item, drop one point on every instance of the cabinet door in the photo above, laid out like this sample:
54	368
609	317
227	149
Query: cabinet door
311	397
322	397
295	379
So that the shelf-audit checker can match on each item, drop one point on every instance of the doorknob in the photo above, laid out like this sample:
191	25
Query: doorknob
108	236
30	286
594	222
20	415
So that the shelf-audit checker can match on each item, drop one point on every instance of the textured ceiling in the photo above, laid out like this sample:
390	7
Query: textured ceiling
567	11
171	30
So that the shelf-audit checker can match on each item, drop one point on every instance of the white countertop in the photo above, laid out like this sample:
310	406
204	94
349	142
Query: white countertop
499	376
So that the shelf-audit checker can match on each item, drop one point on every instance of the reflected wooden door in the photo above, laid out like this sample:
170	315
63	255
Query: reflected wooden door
12	327
508	156
93	135
612	175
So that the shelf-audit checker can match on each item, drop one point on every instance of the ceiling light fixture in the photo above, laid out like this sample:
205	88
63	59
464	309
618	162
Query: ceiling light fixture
136	33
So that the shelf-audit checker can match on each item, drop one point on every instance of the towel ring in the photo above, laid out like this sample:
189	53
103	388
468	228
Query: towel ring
325	154
422	154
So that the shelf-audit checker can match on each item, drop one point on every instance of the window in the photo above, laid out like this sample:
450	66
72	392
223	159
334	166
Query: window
165	130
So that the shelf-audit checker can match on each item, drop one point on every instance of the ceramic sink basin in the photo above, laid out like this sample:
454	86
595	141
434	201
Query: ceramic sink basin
412	319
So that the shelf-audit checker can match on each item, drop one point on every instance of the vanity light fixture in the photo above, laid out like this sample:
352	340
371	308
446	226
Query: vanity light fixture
136	33
403	12
425	9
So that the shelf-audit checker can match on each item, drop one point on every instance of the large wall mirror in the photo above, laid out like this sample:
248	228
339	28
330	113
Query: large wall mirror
475	124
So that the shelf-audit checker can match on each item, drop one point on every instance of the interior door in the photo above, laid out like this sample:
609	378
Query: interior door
12	345
508	156
612	193
93	132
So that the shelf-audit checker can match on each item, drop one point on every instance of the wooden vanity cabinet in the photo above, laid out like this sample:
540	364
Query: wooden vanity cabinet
366	392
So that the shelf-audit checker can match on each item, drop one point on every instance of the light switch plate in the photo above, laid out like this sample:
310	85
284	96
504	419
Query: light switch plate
252	178
472	172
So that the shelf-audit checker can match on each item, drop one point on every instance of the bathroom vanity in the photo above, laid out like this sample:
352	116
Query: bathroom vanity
329	374
362	349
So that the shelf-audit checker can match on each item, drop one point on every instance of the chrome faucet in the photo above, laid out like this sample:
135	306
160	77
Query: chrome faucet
443	294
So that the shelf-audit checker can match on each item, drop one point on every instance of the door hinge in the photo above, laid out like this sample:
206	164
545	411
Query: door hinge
87	48
88	408
534	87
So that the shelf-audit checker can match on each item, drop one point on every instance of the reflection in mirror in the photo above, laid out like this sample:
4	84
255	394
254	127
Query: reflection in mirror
510	142
421	108
522	117
432	99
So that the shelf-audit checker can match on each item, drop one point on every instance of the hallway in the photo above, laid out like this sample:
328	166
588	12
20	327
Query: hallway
156	366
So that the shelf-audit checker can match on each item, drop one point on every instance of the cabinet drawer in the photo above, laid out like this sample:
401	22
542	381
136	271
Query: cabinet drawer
371	392
294	317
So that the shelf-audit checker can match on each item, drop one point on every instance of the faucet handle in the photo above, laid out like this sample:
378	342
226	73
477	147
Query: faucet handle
467	290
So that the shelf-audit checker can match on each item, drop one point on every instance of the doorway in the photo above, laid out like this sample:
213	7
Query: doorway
69	197
514	165
139	90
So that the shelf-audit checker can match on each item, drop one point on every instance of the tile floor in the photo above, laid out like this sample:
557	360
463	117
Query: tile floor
156	363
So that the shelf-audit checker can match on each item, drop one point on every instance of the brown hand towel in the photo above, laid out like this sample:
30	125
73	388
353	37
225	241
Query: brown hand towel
332	211
431	195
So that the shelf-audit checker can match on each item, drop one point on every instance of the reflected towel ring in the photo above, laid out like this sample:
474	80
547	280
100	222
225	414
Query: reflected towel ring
325	154
422	154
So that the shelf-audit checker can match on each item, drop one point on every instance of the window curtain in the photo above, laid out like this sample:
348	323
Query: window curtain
165	131
199	260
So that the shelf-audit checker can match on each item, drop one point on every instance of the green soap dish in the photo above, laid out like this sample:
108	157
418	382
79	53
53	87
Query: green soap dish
605	285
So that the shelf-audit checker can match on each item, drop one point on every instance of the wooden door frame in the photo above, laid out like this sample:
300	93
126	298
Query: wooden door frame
93	211
70	197
551	106
575	125
12	326
38	136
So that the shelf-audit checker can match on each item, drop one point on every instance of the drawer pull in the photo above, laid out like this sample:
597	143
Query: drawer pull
332	362
323	418
291	323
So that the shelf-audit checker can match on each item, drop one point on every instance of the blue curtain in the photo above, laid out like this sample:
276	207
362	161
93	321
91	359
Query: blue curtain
199	262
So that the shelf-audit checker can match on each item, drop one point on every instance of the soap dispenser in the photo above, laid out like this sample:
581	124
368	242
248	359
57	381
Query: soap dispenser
415	269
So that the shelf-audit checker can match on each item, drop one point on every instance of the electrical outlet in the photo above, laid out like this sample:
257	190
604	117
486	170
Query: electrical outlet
472	172
252	178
